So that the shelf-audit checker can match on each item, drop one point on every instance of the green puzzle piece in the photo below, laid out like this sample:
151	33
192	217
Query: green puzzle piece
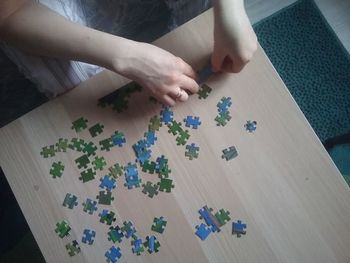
95	130
204	91
62	229
116	170
62	145
90	149
73	248
57	169
82	161
150	189
79	124
48	151
99	163
165	185
87	175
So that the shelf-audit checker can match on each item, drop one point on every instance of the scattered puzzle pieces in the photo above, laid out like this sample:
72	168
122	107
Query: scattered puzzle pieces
224	104
62	145
89	206
99	163
107	217
131	176
87	175
105	197
150	189
203	231
96	130
192	151
229	153
88	236
82	161
166	185
192	122
76	144
90	149
152	244
119	98
108	183
128	229
166	115
182	138
73	248
239	228
57	169
118	138
48	151
115	234
222	216
223	118
79	124
116	170
209	218
113	254
150	137
137	246
159	224
250	126
149	167
204	91
106	144
154	124
70	201
62	229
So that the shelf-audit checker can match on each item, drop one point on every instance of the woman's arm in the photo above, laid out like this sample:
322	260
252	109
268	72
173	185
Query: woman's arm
234	39
38	30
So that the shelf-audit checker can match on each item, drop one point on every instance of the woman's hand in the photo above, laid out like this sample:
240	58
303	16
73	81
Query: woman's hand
234	39
168	77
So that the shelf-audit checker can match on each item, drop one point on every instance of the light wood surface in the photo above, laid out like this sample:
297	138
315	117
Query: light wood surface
283	183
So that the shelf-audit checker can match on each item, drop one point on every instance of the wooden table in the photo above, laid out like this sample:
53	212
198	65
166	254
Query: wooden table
282	184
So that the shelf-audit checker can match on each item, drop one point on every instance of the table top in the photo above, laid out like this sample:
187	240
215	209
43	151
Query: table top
282	184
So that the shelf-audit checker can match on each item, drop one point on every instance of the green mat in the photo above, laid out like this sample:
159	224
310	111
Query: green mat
313	64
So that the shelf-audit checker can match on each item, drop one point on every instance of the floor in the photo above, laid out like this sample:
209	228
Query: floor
336	13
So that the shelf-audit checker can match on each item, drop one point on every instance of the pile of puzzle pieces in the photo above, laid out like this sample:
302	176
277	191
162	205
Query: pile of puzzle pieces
89	164
214	222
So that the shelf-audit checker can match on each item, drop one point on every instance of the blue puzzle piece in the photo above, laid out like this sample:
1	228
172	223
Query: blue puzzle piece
131	170
192	122
166	115
150	137
137	246
128	229
118	138
239	228
205	73
88	237
224	104
113	254
141	151
250	126
108	183
209	219
203	231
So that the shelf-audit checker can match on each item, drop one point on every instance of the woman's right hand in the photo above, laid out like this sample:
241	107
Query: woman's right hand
168	77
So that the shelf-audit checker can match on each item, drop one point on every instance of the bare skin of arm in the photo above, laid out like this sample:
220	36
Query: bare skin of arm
38	30
234	39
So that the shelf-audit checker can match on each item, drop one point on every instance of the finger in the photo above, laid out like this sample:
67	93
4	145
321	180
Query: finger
189	84
167	100
217	59
187	69
178	94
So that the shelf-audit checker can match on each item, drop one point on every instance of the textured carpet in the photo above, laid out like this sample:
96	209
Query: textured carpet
313	64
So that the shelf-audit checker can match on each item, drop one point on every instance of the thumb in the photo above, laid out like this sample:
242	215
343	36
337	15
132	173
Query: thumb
217	58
